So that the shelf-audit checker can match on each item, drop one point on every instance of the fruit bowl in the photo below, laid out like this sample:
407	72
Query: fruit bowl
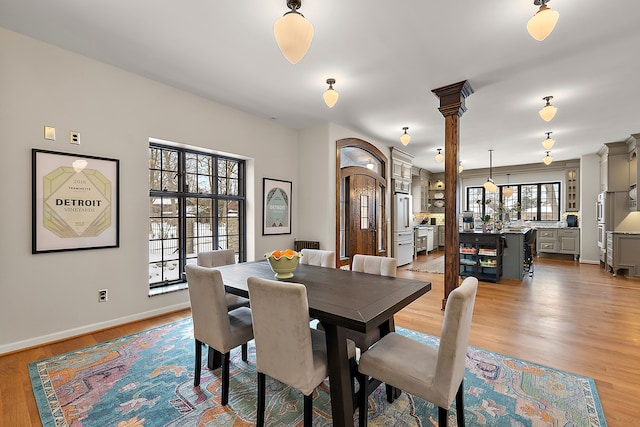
283	263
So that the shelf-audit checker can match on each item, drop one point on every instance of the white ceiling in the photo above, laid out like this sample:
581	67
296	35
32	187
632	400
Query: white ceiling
386	58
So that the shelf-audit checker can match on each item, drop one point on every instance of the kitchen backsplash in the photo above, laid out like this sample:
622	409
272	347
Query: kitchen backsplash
418	217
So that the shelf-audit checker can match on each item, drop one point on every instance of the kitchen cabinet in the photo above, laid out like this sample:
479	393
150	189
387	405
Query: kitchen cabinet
559	241
401	171
481	256
573	190
614	167
420	192
633	172
436	194
424	236
622	252
441	235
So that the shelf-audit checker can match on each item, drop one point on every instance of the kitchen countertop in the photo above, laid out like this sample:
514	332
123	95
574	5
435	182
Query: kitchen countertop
506	231
624	232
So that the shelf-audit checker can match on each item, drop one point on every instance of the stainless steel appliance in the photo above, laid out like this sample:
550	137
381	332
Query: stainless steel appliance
467	221
402	228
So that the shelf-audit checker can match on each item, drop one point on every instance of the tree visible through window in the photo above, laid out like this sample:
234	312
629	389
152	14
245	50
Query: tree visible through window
529	202
196	204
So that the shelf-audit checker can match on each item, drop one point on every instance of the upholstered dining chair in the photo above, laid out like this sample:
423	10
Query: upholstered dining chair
217	258
287	348
383	266
214	325
318	257
434	374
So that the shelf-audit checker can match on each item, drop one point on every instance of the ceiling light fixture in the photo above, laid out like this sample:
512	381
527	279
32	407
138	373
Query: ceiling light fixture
508	190
548	142
543	22
293	33
460	167
439	156
405	137
547	112
547	159
490	186
330	96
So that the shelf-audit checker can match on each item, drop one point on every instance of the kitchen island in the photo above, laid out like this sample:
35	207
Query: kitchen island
491	256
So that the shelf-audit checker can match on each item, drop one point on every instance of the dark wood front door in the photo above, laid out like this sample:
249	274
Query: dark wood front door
362	215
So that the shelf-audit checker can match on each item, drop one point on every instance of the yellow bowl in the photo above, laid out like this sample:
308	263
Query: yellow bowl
283	267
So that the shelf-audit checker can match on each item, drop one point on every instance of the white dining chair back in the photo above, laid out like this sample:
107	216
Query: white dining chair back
384	266
433	374
318	257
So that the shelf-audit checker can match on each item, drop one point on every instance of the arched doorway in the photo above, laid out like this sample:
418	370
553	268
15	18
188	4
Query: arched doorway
361	193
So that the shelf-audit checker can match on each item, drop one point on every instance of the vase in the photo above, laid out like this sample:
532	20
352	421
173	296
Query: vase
484	227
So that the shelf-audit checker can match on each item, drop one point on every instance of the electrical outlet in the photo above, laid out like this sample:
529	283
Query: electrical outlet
74	138
102	295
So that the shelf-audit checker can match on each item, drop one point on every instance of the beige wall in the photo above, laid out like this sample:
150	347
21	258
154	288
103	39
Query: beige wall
45	297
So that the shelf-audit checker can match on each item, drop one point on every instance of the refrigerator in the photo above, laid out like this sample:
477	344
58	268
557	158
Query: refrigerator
402	228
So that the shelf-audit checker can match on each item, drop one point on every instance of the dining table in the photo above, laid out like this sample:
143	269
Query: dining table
339	299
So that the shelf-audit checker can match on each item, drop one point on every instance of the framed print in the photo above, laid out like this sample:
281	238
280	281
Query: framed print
74	202
276	207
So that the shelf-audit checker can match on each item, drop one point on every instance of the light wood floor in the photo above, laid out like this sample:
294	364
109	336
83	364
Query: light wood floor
569	316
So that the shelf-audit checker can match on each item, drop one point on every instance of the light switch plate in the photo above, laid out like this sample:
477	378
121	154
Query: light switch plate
50	133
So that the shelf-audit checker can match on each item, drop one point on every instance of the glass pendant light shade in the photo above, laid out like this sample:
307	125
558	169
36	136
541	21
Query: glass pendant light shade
489	185
547	159
507	192
293	33
405	137
548	112
543	22
330	96
439	156
548	142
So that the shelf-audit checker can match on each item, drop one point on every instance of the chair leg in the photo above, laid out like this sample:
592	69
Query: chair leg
245	352
214	360
363	395
460	404
442	417
198	364
308	410
261	400
225	378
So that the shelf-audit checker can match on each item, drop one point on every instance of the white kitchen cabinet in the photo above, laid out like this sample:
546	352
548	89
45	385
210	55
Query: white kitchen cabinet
401	170
614	167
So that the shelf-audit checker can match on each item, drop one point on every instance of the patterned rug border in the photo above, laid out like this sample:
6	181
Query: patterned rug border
51	412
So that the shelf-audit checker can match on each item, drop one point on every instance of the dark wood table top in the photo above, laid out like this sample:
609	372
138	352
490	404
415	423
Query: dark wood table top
353	300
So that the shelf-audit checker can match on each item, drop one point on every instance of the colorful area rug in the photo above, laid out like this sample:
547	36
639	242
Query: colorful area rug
146	379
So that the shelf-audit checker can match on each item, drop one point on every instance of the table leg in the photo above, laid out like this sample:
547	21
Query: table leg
339	376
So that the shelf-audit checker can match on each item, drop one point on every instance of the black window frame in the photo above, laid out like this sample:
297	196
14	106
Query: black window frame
185	210
487	200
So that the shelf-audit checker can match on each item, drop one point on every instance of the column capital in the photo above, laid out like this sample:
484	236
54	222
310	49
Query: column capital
452	98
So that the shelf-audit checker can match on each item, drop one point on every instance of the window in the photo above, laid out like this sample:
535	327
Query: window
529	202
196	203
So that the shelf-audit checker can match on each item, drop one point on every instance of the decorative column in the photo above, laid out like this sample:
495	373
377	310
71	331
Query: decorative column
452	108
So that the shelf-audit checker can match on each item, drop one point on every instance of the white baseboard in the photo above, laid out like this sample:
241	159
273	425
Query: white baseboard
57	336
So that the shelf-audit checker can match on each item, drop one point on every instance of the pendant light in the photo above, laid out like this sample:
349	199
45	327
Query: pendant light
547	112
508	190
293	33
548	143
547	159
405	137
330	96
543	22
490	186
439	156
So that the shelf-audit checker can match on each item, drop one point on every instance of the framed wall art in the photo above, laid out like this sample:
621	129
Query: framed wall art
276	207
74	202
